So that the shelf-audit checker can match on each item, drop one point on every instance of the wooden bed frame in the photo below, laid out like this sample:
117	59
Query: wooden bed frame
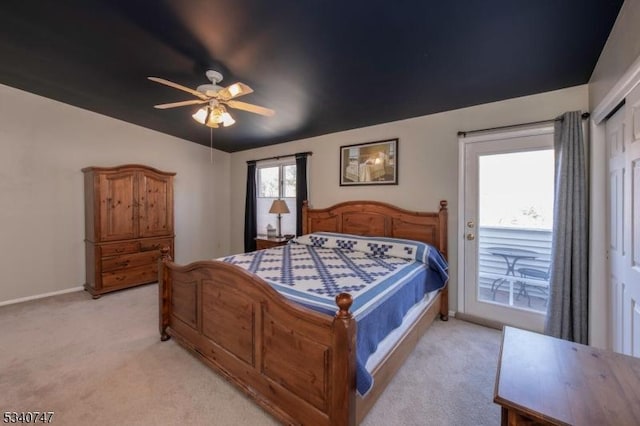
298	364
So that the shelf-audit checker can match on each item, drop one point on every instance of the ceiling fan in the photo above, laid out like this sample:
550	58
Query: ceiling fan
217	99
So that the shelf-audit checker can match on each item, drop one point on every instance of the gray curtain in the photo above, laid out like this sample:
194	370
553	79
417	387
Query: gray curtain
250	209
301	188
567	312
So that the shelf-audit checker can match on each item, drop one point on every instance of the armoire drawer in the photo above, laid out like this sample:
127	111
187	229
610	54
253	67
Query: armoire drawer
120	248
154	244
130	260
137	275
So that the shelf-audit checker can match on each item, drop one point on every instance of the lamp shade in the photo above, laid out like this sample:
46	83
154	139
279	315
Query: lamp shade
279	206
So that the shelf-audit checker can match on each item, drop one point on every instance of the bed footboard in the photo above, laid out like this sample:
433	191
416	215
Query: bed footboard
297	364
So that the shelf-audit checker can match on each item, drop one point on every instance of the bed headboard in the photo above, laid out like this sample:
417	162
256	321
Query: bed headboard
376	219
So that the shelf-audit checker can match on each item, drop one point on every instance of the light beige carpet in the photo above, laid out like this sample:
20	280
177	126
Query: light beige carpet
101	362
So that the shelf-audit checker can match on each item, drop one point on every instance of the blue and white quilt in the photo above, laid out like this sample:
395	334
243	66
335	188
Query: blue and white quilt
385	277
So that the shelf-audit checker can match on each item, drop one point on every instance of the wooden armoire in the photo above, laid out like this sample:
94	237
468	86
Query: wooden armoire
128	218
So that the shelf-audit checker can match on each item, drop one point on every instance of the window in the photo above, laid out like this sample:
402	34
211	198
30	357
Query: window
276	180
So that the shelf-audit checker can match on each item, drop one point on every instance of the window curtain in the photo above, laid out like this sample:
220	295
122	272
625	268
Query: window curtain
301	188
250	209
567	312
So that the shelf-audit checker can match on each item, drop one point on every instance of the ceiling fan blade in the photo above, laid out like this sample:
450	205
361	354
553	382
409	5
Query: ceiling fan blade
234	91
251	108
178	86
181	103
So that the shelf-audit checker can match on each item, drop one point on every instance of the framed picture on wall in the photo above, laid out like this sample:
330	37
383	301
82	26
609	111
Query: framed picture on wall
371	163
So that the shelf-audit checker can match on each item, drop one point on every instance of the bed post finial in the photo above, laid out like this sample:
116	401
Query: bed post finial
343	377
344	302
165	253
443	204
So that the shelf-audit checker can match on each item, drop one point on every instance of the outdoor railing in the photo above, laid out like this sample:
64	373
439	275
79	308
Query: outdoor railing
491	267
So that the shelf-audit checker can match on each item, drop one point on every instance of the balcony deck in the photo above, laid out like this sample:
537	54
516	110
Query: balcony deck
491	267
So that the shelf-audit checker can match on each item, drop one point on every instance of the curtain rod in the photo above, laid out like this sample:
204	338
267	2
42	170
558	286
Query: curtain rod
463	134
280	156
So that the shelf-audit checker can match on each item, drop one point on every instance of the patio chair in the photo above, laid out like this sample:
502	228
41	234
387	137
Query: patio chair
537	274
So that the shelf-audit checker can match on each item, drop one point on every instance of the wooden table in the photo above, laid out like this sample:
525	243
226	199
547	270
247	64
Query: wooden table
264	242
548	381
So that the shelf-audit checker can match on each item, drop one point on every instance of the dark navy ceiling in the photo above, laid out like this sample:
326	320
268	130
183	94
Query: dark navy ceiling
323	65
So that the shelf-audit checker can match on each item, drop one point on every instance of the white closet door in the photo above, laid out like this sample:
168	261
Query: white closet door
615	137
632	223
623	145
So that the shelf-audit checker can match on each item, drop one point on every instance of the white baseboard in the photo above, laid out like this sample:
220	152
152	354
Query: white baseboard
40	296
452	314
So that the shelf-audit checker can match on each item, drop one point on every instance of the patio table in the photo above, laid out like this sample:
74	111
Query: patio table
511	256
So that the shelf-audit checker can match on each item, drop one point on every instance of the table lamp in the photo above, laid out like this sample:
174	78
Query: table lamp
279	207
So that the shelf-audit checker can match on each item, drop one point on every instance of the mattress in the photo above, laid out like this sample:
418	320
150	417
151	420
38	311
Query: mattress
389	342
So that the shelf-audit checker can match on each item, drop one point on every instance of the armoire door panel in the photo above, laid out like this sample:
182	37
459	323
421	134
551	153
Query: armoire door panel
156	205
118	208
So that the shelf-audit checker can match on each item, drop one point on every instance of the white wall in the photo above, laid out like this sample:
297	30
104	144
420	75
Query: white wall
428	159
621	49
43	146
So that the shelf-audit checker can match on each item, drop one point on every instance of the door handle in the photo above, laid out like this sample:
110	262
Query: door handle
470	224
471	236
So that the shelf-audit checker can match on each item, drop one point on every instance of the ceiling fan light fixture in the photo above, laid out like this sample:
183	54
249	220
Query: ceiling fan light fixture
216	115
217	99
227	120
201	115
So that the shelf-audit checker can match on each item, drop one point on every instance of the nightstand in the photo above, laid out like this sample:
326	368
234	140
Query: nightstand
264	242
